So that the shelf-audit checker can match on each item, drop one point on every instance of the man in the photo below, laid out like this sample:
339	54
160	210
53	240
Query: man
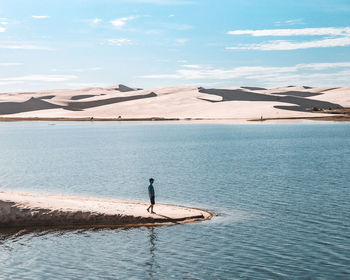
151	195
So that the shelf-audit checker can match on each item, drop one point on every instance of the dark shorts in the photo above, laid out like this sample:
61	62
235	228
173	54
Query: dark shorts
152	200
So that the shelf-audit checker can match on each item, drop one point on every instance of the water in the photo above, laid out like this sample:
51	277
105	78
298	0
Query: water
282	191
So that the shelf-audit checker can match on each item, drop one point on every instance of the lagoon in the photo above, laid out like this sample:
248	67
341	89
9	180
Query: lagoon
282	192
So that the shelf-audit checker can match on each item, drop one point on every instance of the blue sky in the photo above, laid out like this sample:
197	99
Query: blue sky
156	43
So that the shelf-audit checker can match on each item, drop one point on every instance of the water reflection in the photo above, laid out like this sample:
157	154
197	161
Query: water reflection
11	234
152	262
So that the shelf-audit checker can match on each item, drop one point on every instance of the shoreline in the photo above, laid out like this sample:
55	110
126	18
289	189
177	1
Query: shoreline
334	118
35	210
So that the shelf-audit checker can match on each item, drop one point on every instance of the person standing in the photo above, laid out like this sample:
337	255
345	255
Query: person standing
151	195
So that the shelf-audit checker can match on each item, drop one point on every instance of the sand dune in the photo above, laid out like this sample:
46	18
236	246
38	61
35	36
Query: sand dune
188	102
33	210
290	97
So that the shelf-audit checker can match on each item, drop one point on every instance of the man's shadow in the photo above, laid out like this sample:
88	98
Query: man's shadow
169	219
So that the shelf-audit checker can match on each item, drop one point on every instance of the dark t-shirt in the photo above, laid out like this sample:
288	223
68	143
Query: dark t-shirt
151	189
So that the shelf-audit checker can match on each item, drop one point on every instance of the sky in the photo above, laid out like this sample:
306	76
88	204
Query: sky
59	44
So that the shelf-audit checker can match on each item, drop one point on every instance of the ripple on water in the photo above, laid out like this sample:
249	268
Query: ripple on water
282	192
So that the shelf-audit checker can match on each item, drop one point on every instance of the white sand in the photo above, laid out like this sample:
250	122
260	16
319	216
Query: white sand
174	102
19	209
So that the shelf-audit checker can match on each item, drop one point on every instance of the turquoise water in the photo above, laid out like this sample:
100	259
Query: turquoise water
282	191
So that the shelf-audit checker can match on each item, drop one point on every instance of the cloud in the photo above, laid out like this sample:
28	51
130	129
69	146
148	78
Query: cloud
10	63
336	37
95	68
323	66
290	22
96	20
10	83
288	45
24	46
82	85
120	22
337	78
3	21
334	31
191	66
119	42
78	70
209	73
312	73
40	17
181	41
40	78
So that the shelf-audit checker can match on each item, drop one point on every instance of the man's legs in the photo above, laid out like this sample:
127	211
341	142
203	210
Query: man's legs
152	204
150	207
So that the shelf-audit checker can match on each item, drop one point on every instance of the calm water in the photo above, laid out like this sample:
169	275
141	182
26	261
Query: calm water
282	192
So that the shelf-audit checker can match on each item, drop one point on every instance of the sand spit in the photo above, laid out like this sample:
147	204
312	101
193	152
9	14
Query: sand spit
187	103
23	210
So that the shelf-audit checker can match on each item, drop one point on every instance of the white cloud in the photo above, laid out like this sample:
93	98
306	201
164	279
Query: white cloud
25	47
171	15
289	45
120	22
10	63
3	22
119	42
337	78
81	85
96	20
10	83
95	68
85	69
336	37
40	17
78	70
312	73
40	78
323	66
290	22
181	41
191	66
334	31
